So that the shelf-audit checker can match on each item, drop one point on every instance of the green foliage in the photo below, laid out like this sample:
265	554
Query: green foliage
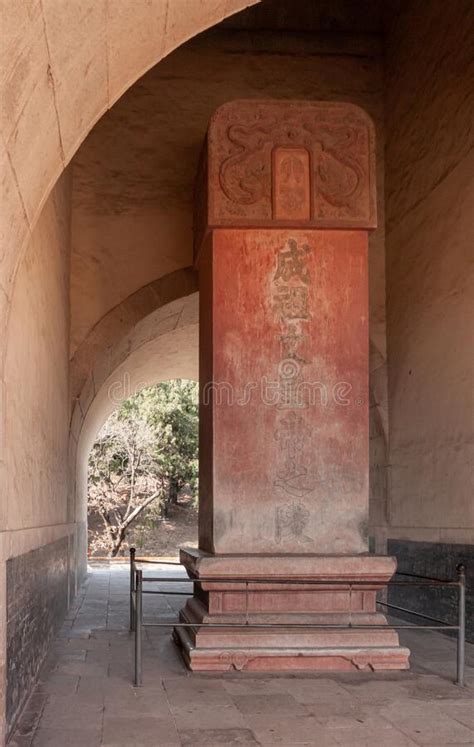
145	454
171	410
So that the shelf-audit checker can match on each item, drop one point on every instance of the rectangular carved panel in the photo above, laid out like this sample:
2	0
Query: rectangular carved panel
274	163
291	184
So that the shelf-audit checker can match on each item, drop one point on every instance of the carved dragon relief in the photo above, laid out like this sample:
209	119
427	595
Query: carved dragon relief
243	176
339	177
339	151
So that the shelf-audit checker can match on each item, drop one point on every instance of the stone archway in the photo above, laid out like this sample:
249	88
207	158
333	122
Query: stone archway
96	349
56	84
39	134
163	345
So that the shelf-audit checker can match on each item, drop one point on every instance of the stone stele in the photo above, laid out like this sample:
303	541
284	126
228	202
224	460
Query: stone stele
285	198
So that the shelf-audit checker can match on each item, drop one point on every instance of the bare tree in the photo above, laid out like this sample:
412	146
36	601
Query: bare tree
146	453
123	476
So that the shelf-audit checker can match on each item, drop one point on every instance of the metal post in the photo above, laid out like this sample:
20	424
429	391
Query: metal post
462	624
132	587
138	628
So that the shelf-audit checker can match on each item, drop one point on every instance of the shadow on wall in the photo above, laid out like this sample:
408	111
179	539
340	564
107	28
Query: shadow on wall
40	587
436	560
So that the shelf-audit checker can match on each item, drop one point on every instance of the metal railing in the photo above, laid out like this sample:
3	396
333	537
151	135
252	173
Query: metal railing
137	579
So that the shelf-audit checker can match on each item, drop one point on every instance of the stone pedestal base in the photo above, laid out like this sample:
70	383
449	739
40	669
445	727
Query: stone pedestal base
334	604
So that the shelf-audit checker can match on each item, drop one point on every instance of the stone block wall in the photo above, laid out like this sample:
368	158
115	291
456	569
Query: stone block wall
38	594
438	559
430	285
36	532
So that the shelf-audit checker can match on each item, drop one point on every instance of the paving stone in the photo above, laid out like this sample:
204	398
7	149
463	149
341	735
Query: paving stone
60	684
207	717
137	702
122	669
88	644
28	722
99	656
83	668
19	741
72	656
218	738
184	691
139	732
376	693
49	664
462	712
66	738
394	739
159	668
270	703
246	685
317	691
72	713
74	633
282	729
365	730
432	728
337	709
174	707
110	635
36	701
94	689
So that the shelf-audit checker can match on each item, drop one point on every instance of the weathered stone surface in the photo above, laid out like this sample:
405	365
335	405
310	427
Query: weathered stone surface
283	489
287	710
217	737
437	560
288	162
145	210
286	469
427	187
430	100
164	345
36	374
27	97
284	589
37	600
34	469
121	320
57	78
141	46
430	192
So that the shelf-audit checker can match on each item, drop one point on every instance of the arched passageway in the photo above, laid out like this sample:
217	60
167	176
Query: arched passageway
161	347
81	268
63	66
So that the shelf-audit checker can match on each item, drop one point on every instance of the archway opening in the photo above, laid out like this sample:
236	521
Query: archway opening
143	474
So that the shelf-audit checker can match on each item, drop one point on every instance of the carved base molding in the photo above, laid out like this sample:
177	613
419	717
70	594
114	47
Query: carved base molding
220	599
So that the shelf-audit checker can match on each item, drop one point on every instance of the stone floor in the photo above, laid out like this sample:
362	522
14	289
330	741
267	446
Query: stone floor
85	696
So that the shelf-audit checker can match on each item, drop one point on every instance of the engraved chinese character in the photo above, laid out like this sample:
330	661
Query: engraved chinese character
292	475
291	435
290	342
292	302
291	521
292	264
290	393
